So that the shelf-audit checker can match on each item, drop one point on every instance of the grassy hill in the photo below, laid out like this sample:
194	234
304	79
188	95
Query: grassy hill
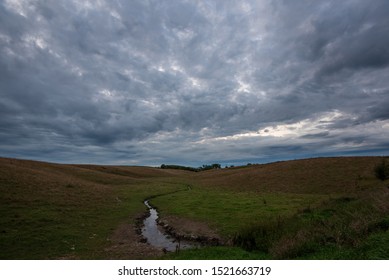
314	176
72	211
325	208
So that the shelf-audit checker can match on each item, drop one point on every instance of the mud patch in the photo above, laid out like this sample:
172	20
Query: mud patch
187	229
127	244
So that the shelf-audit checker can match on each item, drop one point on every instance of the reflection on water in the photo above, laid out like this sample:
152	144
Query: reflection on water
155	237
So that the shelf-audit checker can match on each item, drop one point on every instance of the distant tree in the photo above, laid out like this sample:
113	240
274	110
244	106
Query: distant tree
209	166
180	167
216	166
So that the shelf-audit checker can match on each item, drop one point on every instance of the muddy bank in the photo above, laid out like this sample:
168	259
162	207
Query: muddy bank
186	229
125	244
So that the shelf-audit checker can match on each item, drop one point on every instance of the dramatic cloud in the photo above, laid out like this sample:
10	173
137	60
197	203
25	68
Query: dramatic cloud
192	82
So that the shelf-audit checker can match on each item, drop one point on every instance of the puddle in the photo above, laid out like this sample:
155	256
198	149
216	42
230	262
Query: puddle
157	238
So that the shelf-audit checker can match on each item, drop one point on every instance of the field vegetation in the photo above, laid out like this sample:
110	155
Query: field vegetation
324	208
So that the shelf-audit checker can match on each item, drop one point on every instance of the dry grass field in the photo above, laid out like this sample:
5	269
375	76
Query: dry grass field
314	176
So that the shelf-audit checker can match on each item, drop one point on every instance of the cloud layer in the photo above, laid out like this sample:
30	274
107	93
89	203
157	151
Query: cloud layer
190	82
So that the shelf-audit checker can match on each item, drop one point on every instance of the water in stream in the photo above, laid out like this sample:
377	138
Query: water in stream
155	237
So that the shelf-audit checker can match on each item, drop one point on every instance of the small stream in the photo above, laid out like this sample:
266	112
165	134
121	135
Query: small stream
156	238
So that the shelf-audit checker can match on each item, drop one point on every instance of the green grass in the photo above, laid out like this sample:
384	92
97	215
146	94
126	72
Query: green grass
288	226
229	211
217	253
341	228
43	230
374	247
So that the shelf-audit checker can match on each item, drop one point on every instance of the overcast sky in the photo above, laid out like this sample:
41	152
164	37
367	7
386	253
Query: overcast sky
193	82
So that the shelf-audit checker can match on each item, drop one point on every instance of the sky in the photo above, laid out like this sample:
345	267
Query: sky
193	82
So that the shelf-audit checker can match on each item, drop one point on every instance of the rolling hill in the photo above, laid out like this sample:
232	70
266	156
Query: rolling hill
290	209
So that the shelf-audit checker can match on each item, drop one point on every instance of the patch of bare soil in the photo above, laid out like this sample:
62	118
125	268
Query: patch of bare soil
127	244
190	230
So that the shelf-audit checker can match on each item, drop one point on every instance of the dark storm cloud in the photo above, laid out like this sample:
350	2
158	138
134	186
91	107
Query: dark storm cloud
145	82
316	135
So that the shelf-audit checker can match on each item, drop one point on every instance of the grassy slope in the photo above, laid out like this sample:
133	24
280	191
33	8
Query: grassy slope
54	211
308	176
292	209
258	192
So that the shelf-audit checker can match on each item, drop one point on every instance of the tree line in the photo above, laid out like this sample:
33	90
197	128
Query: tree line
194	169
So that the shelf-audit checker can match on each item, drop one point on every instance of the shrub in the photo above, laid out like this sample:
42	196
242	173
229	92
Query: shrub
382	170
259	237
